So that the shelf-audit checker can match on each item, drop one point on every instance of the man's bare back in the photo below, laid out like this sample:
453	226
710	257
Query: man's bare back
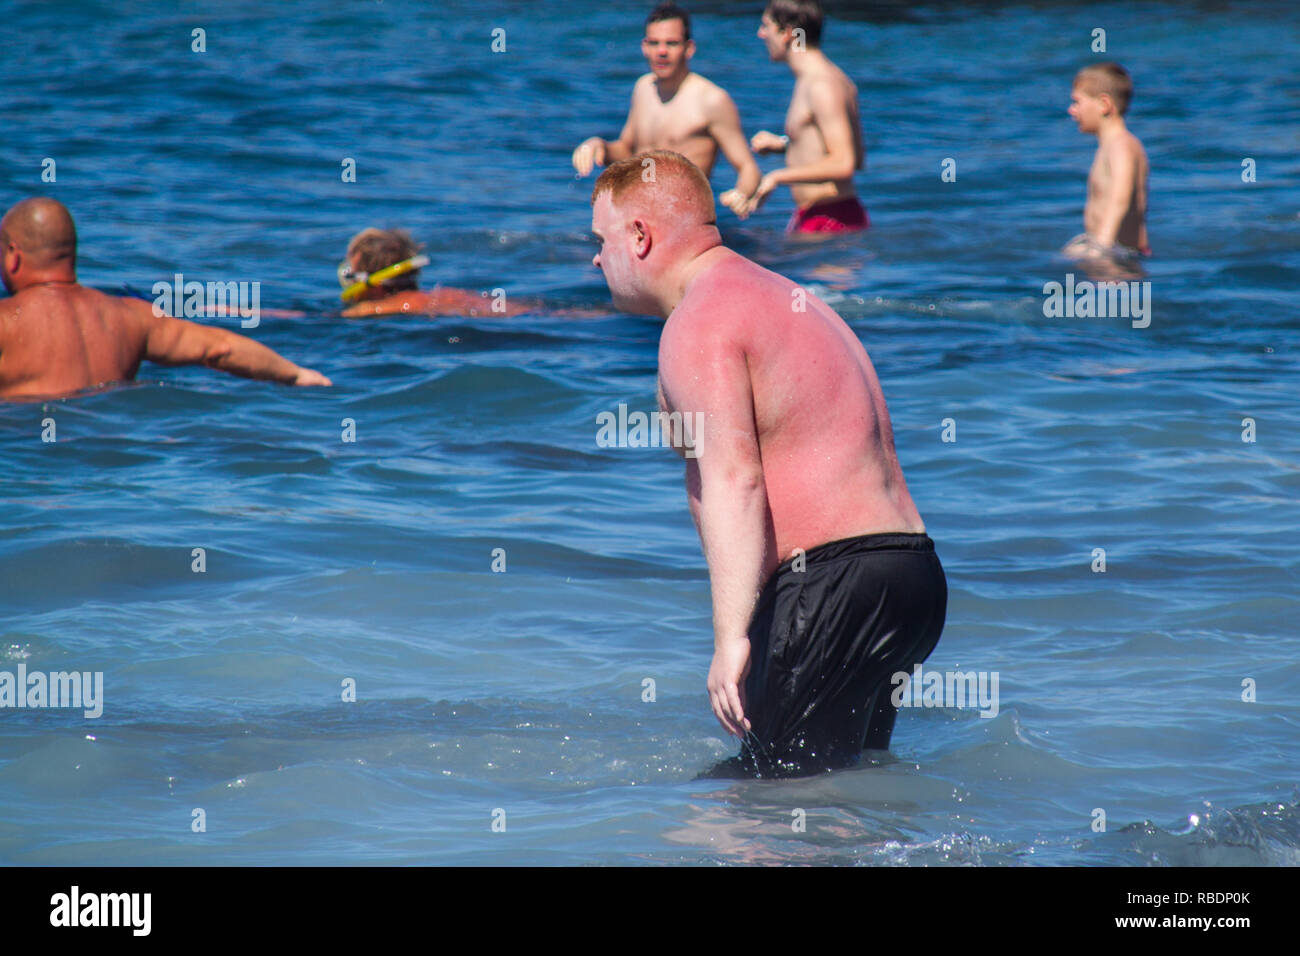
60	338
790	455
57	337
823	432
438	301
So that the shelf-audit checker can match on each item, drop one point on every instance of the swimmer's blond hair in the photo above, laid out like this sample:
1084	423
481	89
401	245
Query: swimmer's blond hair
377	249
658	178
1109	78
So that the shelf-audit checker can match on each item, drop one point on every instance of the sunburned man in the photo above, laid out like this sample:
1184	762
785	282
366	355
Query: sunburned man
673	108
824	581
58	337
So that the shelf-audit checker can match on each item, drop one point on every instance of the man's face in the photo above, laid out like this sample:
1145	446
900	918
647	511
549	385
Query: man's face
666	48
773	37
1087	110
617	257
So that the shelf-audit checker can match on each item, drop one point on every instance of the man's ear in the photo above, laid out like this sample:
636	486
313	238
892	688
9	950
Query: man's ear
641	237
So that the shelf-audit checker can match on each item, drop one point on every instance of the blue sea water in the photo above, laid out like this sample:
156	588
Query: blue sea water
522	692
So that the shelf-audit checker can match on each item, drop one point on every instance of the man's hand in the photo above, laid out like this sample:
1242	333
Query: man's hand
765	188
590	153
727	685
308	376
765	142
736	201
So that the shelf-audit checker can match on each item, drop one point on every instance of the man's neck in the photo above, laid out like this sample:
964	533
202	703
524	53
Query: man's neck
669	87
46	279
804	62
705	259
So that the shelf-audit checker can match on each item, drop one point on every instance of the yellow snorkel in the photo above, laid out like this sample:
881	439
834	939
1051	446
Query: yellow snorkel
362	281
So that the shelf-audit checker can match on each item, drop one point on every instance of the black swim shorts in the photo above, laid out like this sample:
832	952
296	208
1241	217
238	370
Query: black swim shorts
824	643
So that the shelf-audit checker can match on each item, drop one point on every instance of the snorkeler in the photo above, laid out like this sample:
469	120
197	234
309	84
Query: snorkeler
381	277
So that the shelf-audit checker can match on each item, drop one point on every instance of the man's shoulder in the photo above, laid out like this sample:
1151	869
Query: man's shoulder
830	84
131	306
75	296
724	297
703	86
709	94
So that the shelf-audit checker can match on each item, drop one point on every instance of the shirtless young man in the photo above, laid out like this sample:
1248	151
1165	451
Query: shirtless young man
673	108
823	132
57	337
371	250
1114	218
824	582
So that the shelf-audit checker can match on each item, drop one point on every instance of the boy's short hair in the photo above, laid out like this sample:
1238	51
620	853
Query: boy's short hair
1109	78
377	249
803	15
671	11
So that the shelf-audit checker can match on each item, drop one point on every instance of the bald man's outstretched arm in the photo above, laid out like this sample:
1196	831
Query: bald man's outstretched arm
170	341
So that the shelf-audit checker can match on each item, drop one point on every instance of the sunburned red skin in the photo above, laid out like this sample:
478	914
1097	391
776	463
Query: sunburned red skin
792	391
439	301
59	338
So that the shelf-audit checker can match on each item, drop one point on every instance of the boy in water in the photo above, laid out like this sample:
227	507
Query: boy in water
1114	219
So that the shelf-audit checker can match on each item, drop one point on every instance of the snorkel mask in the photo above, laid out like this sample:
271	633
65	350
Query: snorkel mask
355	283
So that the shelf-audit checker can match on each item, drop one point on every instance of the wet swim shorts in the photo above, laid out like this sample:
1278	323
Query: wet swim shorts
840	215
1084	245
824	644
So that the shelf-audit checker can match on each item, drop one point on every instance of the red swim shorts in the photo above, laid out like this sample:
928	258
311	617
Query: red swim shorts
839	215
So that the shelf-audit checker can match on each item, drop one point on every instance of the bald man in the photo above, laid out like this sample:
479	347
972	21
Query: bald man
824	581
57	337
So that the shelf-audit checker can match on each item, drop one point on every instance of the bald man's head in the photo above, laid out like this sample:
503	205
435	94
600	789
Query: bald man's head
37	239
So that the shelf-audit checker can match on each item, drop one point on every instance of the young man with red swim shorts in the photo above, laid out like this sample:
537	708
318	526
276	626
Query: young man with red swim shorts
823	132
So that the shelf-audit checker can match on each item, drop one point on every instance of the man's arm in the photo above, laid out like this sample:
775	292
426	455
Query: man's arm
724	127
710	375
170	341
1123	162
595	151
